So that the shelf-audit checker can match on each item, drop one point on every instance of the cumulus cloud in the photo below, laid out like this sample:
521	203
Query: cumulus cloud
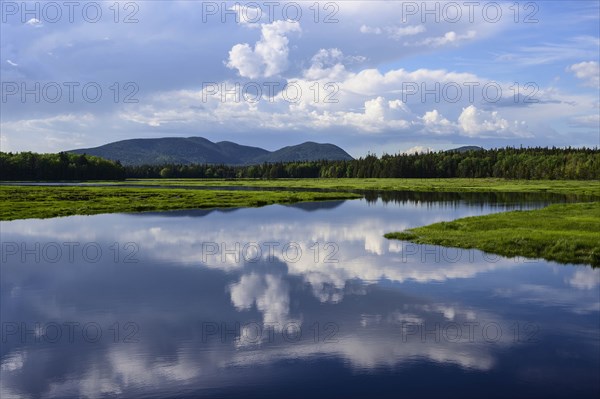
589	72
270	294
378	115
260	46
269	57
436	123
330	65
474	122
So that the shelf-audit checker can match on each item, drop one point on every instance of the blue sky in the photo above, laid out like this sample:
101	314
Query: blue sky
161	67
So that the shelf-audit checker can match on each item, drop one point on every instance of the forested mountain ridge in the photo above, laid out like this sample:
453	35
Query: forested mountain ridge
198	150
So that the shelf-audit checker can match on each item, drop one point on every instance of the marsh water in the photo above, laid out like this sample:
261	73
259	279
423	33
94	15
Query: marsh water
303	301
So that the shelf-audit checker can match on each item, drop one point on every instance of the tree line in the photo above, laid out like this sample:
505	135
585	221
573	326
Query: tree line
61	166
509	163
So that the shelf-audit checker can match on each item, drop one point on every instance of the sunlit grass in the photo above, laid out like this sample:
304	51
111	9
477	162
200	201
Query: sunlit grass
566	233
45	202
580	187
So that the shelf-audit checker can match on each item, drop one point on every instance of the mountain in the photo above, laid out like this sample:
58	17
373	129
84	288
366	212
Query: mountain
308	151
189	150
466	148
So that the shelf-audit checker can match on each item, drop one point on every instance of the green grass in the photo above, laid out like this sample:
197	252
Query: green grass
578	187
565	233
46	202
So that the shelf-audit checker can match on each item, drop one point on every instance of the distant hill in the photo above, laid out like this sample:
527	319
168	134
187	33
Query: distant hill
305	151
466	148
198	150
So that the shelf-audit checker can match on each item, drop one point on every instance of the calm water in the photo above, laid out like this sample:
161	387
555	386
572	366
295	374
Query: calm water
295	301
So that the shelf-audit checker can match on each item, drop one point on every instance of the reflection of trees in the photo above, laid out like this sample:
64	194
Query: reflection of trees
452	198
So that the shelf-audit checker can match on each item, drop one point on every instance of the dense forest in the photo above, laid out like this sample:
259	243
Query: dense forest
61	166
509	163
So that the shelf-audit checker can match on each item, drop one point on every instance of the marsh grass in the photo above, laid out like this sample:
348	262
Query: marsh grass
25	202
579	187
565	233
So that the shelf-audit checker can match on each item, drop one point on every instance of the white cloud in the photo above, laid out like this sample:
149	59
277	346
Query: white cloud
448	38
54	133
13	361
248	15
34	22
589	72
585	121
368	29
548	53
436	123
585	279
394	32
270	54
42	124
474	122
378	116
418	149
270	294
327	57
258	47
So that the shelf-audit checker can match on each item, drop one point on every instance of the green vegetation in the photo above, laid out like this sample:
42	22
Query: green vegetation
566	233
45	202
575	187
507	163
61	166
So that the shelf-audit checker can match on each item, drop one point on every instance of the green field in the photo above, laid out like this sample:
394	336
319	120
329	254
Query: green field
577	187
566	233
46	202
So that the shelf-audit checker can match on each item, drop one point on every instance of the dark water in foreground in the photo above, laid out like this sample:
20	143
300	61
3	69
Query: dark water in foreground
288	301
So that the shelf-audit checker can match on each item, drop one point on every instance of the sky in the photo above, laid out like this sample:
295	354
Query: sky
370	76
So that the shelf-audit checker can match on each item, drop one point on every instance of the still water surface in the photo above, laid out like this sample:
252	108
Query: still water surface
295	301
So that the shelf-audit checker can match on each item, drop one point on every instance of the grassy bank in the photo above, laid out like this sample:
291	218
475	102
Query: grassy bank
564	233
45	202
578	187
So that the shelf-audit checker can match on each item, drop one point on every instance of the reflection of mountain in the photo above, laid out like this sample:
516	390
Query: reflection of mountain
315	206
185	212
499	200
305	206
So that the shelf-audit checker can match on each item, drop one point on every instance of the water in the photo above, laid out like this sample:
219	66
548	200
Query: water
295	301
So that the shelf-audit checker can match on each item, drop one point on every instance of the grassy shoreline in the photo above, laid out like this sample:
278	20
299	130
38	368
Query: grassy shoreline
578	187
20	202
565	233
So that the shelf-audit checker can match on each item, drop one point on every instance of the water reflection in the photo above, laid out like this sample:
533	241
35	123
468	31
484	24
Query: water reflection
213	303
